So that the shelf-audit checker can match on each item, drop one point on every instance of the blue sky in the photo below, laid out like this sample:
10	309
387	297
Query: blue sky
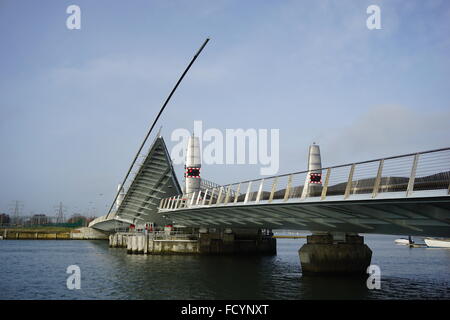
76	104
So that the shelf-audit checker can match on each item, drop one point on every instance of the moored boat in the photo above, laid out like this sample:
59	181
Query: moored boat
404	241
437	243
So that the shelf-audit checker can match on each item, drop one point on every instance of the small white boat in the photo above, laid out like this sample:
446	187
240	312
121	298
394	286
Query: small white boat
404	241
437	243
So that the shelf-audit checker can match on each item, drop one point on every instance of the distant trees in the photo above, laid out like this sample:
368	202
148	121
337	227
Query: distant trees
77	218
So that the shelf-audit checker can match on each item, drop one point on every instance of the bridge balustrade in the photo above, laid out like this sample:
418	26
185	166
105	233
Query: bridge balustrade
429	170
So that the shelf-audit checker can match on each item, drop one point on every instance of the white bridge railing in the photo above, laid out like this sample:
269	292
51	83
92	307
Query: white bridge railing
429	170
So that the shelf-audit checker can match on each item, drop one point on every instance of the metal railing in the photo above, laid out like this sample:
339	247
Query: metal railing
428	170
206	184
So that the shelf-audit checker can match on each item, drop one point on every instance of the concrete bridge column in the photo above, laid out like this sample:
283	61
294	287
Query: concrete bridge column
130	244
326	253
134	244
141	243
146	244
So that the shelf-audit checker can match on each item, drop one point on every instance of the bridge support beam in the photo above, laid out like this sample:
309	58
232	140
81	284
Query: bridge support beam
335	254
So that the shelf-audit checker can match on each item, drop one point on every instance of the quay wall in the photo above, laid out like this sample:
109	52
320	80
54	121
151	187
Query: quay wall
84	233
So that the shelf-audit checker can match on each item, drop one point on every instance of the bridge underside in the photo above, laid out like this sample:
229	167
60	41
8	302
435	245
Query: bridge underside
419	216
111	225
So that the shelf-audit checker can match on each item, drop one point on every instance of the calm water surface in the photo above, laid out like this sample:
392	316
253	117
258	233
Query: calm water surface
31	269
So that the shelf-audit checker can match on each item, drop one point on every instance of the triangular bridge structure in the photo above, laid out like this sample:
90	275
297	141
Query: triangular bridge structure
137	204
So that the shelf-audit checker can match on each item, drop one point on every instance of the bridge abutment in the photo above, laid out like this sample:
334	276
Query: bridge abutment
335	254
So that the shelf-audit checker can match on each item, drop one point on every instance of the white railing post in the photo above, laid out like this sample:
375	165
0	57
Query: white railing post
248	192
198	197
306	186
219	196
258	196
204	197
236	195
412	177
325	186
376	186
192	199
348	188
177	204
227	195
272	192
166	203
288	188
166	200
212	195
172	206
172	202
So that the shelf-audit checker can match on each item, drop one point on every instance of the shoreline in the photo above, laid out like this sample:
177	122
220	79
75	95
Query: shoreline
52	233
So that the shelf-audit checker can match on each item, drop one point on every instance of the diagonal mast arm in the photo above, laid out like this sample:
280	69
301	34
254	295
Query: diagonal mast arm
156	119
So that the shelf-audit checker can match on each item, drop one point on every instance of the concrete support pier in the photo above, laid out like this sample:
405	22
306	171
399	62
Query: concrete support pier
205	241
118	240
238	241
335	254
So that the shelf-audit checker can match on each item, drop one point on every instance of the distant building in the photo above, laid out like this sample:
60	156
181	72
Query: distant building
4	219
39	219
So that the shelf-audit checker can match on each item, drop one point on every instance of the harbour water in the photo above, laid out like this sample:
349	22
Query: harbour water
33	269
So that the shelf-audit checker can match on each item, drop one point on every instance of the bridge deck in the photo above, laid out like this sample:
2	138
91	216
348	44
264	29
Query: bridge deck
406	194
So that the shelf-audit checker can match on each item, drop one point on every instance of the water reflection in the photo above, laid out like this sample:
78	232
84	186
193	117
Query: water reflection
332	287
36	270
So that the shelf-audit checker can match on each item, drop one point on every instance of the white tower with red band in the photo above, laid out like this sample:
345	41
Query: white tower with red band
193	165
313	181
